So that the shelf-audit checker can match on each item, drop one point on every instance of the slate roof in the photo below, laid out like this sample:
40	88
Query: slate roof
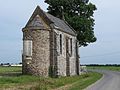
61	24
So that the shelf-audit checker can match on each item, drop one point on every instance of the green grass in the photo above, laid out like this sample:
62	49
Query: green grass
10	69
75	82
18	79
113	68
28	82
86	81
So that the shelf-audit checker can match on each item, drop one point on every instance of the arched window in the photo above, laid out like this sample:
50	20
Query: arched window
71	45
60	43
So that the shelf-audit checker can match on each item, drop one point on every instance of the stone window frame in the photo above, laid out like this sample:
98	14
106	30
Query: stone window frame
70	46
27	48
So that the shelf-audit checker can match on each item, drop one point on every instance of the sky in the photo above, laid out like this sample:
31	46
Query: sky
14	14
107	30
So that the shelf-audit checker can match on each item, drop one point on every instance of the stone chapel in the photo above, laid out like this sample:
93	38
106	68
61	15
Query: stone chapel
50	46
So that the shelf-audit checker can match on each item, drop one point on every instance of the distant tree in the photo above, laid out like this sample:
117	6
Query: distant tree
79	14
6	63
1	64
20	63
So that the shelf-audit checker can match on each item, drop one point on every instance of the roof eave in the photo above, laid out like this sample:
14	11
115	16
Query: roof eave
71	27
59	29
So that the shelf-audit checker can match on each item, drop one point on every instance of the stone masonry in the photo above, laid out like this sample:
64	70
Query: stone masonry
49	46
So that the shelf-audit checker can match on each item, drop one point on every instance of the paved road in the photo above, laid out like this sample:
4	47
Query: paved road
109	81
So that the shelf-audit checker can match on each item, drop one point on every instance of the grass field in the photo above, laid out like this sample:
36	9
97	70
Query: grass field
113	68
10	69
11	77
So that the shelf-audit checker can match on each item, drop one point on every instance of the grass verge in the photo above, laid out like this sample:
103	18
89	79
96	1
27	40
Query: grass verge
27	82
85	81
71	83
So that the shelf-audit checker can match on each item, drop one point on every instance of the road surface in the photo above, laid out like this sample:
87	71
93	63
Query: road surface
109	81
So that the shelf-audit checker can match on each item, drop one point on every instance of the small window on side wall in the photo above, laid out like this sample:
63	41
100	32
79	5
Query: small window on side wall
60	43
71	46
